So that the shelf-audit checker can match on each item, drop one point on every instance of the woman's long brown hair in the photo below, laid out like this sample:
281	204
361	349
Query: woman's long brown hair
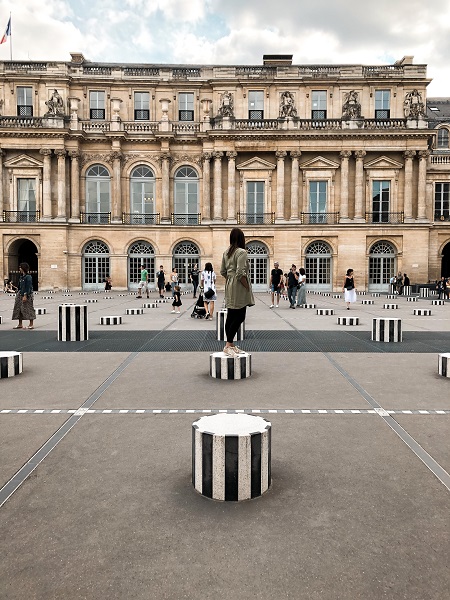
237	240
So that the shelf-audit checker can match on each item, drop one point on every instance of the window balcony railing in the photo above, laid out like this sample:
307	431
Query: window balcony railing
185	218
31	122
140	219
328	218
94	218
21	216
383	217
442	216
140	126
255	218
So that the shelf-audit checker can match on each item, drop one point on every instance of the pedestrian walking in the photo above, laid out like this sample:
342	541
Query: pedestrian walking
275	284
194	275
349	288
174	280
301	288
238	290
143	284
292	283
160	281
176	299
23	305
209	289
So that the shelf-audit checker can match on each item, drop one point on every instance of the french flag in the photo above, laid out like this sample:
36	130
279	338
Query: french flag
7	32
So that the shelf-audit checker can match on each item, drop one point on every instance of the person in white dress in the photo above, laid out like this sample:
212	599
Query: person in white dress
349	288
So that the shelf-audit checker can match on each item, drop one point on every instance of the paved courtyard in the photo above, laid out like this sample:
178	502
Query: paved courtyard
96	500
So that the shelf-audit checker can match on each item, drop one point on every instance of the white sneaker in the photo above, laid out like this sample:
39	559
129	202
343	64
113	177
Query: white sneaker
276	306
173	311
178	312
271	306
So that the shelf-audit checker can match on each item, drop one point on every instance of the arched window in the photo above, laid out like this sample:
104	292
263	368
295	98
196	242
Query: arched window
318	265
98	195
442	138
381	265
185	256
95	264
186	197
140	253
142	195
258	258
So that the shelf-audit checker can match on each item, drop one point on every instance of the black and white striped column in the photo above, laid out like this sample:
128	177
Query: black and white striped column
444	365
422	312
222	366
325	311
348	320
221	317
390	306
367	301
134	311
307	306
39	311
386	330
231	456
424	292
411	299
407	290
391	297
375	294
438	302
149	305
91	300
73	323
111	320
11	364
1	319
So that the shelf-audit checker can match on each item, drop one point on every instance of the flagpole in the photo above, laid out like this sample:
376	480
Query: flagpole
10	38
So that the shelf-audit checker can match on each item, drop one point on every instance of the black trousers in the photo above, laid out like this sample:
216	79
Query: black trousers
235	316
195	284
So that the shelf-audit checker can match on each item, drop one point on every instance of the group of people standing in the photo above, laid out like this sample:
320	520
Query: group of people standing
294	282
398	282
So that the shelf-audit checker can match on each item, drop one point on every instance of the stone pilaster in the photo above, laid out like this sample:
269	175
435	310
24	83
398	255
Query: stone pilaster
165	182
61	154
359	186
343	208
116	216
231	216
295	155
74	186
206	208
281	155
46	185
408	155
218	186
2	208
422	185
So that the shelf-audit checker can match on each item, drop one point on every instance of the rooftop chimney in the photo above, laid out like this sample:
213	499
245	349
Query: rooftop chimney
277	60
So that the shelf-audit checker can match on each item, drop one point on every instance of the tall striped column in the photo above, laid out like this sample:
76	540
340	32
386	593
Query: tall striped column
73	323
386	330
424	292
231	456
221	317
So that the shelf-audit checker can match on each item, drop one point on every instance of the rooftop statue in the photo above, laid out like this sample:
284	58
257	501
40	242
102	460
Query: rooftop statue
287	105
226	108
413	106
55	105
351	109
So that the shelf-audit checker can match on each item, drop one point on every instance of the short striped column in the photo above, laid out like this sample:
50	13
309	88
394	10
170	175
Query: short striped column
422	312
376	295
367	302
83	293
390	306
438	302
411	299
11	364
222	366
391	297
161	301
149	305
307	306
108	298
444	365
348	321
386	330
362	293
221	317
72	323
47	298
39	311
1	319
66	290
111	320
424	292
325	311
231	456
326	294
91	300
134	311
407	290
97	292
67	295
337	296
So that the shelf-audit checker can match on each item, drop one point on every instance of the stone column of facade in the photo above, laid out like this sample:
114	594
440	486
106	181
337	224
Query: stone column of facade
295	155
46	185
281	155
74	186
2	208
422	185
206	208
117	190
359	187
165	182
218	186
231	217
343	209
61	154
407	207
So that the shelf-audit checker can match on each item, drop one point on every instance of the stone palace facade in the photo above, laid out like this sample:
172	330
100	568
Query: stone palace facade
109	166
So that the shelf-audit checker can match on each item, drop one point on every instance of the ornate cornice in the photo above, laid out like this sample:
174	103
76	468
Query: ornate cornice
186	158
87	157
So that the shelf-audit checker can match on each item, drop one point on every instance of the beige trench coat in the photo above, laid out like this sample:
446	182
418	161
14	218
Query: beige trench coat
233	268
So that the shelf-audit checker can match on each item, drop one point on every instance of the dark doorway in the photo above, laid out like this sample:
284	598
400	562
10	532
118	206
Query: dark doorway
23	251
445	267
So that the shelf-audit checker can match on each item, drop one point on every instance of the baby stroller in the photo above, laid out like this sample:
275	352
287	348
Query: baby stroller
199	311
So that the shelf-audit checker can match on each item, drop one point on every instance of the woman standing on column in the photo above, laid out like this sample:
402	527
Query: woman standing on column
238	290
349	288
23	305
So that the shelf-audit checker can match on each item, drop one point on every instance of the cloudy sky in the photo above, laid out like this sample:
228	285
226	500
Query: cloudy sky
234	32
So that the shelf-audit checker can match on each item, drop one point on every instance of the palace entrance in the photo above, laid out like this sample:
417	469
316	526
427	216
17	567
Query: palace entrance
20	251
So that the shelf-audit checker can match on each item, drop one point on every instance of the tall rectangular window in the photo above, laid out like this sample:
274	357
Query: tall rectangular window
255	202
256	105
24	102
319	104
186	106
96	105
382	104
26	194
141	106
318	201
441	201
381	193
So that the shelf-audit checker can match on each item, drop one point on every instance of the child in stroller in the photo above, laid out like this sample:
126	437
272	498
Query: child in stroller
199	311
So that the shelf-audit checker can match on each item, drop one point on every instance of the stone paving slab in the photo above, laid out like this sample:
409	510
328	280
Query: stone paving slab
432	434
352	514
